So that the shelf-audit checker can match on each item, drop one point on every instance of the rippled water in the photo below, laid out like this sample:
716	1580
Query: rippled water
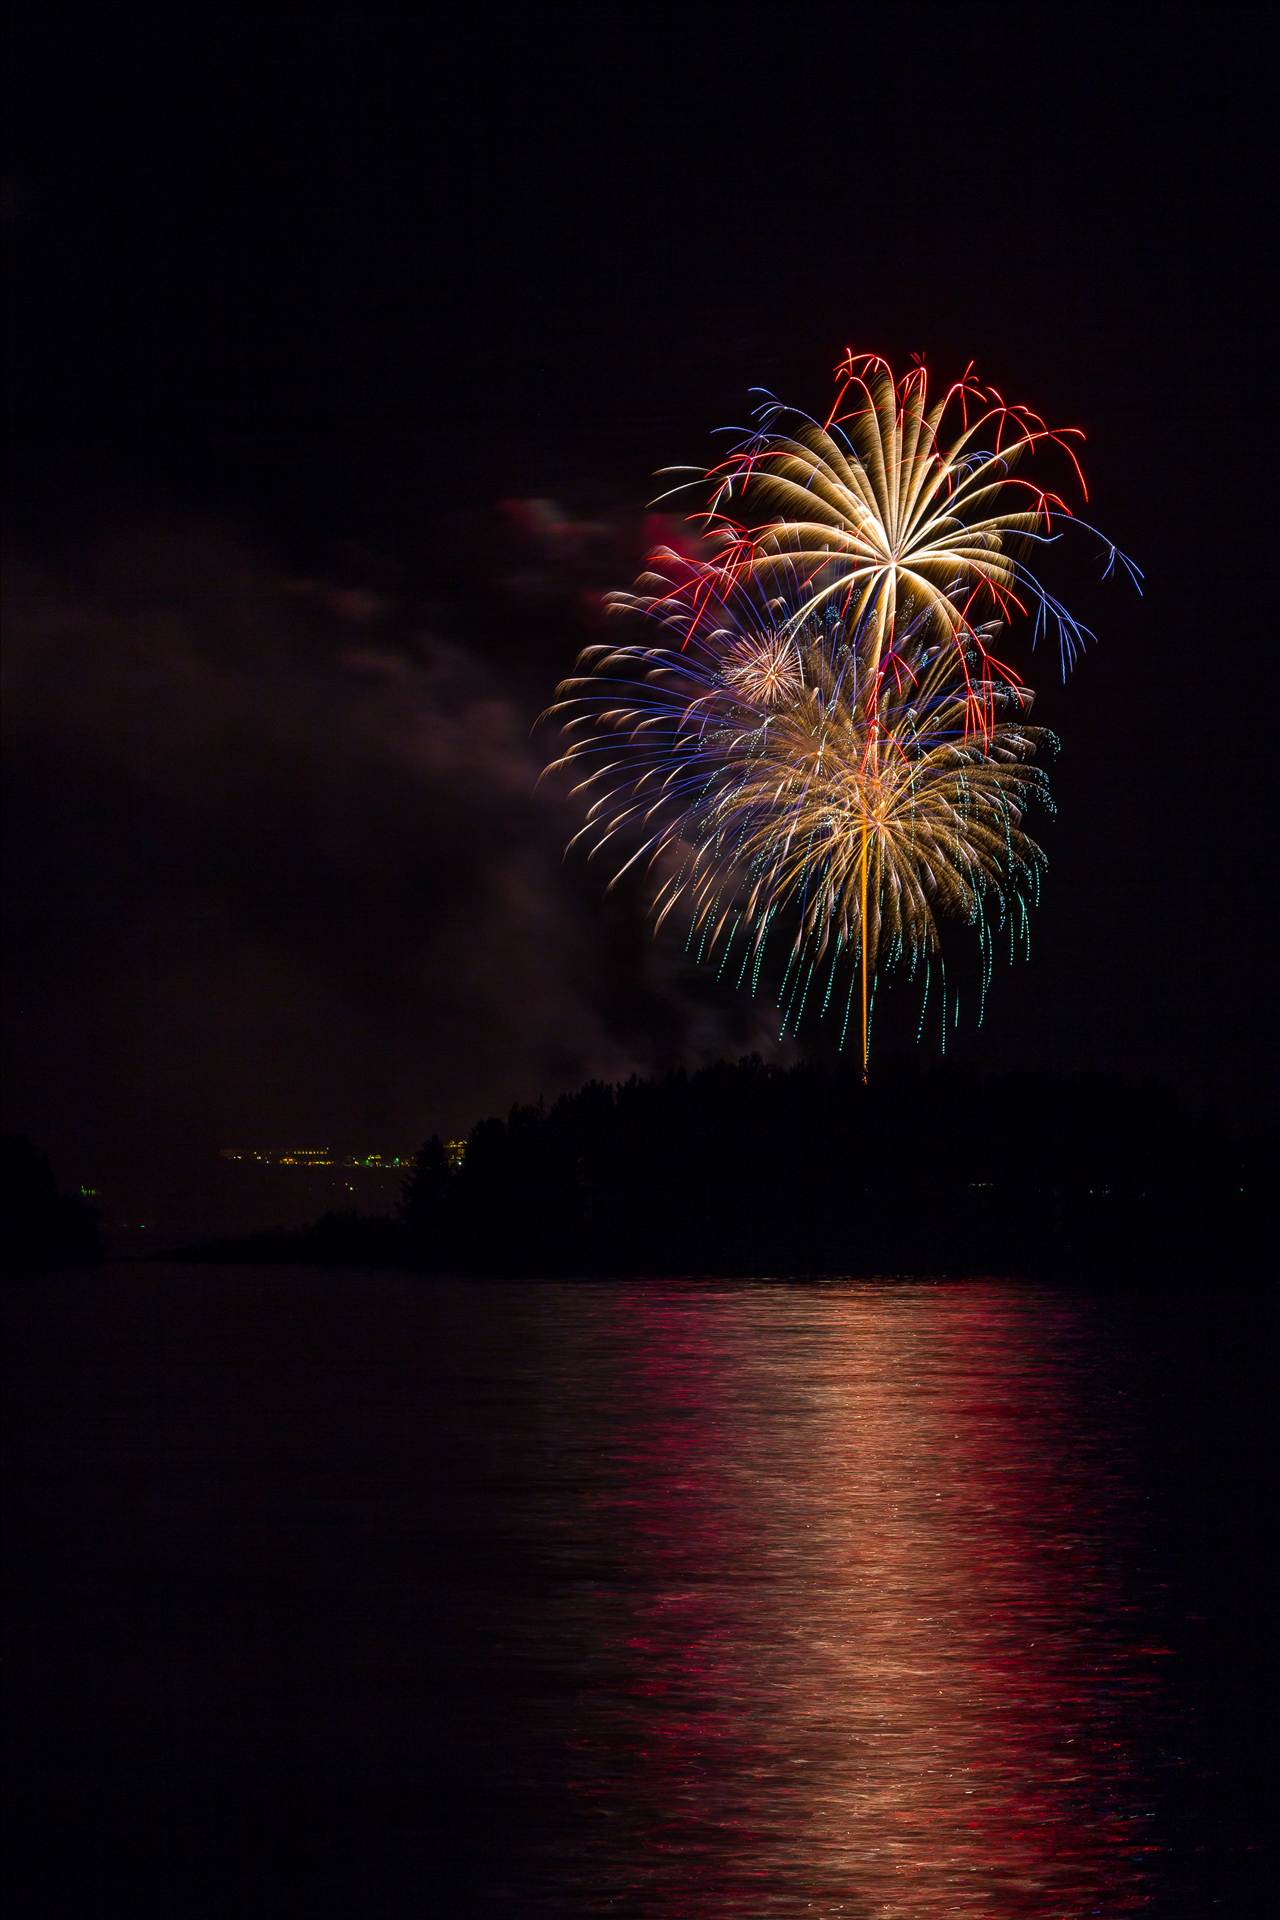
684	1600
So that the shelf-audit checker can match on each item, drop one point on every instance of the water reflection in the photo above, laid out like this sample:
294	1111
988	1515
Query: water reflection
872	1651
678	1602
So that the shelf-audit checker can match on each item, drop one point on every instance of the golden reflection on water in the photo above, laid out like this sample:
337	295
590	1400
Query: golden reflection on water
874	1656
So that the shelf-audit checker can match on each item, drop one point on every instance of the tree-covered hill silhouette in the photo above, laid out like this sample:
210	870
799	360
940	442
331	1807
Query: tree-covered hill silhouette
748	1168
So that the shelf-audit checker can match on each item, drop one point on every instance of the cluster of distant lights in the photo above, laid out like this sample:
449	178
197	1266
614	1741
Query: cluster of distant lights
455	1152
316	1157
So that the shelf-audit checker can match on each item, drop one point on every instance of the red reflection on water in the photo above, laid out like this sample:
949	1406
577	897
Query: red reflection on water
878	1656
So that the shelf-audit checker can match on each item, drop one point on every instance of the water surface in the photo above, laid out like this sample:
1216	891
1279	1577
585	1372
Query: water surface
675	1599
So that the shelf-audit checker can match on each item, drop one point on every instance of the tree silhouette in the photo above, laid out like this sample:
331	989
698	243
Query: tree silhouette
42	1226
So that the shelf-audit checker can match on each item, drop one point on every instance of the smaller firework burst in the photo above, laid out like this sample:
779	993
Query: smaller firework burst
765	670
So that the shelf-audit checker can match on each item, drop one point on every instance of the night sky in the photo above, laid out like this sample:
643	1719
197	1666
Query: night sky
341	358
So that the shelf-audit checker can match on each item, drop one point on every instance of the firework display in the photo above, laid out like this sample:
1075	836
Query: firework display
822	748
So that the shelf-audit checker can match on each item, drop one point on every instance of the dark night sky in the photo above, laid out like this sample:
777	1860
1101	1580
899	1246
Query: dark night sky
341	355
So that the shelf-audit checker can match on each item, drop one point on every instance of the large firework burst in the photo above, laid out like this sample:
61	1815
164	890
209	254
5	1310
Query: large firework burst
822	745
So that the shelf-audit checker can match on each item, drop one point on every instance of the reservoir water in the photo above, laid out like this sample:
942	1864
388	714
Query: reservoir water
372	1594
